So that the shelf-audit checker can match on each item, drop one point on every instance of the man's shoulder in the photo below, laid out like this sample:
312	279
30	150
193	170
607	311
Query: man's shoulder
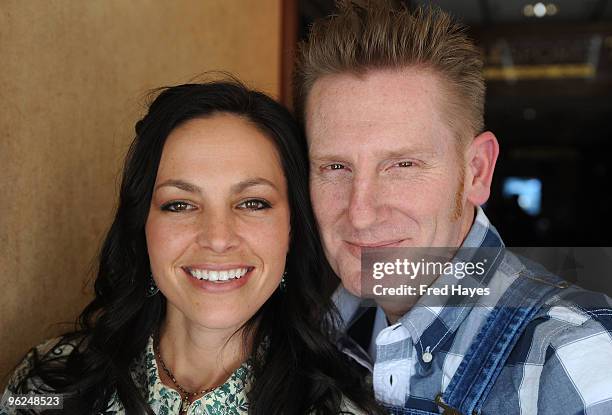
564	350
567	293
574	320
578	323
569	313
572	324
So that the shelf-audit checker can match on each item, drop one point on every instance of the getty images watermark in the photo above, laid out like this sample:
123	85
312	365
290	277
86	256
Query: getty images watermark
426	270
475	276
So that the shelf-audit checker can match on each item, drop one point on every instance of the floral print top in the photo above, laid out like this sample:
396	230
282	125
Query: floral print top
227	399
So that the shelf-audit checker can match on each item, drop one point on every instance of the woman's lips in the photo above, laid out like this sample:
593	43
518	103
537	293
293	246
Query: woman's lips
217	266
218	273
195	277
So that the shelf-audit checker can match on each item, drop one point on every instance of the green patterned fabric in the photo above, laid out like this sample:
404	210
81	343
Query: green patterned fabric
228	399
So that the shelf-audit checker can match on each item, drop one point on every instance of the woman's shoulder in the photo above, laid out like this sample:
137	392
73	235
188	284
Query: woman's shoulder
348	407
55	348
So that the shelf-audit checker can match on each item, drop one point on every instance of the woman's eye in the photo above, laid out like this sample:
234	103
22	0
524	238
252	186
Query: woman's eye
254	204
177	207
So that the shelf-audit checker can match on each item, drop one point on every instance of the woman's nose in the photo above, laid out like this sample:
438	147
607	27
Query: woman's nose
217	232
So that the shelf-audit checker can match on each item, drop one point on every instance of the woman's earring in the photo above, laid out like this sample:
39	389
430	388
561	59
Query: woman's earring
151	287
283	282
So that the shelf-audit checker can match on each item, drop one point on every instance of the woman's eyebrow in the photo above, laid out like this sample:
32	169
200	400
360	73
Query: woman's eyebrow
256	181
236	188
180	184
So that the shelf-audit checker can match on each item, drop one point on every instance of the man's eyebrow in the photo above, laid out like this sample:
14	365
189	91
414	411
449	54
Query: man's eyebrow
256	181
180	184
326	156
396	153
407	151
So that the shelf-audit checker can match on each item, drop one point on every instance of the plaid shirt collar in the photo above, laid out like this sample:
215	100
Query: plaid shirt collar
429	326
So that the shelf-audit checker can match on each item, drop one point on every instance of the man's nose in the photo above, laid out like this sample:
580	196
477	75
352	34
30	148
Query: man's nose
217	232
363	203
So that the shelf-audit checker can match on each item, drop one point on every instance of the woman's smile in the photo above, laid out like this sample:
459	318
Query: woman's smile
219	280
220	274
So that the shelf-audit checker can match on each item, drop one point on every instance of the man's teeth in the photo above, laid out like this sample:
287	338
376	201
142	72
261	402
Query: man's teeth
225	275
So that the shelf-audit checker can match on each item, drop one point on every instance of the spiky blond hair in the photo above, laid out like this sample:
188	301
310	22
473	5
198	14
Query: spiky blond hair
370	35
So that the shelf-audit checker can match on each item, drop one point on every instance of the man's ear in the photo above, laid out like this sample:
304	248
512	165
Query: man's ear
481	157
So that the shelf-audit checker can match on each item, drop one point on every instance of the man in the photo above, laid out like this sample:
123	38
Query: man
392	104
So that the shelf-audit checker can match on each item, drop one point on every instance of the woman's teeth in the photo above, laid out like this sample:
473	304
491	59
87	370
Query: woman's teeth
225	275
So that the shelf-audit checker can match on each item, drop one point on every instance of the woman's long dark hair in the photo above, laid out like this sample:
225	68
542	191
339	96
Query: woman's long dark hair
301	372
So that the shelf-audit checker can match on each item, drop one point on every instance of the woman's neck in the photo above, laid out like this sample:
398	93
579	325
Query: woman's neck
199	358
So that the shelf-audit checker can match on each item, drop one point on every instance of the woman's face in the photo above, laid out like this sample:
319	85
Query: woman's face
218	226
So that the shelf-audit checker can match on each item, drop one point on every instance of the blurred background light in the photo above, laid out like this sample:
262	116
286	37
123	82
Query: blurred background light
527	192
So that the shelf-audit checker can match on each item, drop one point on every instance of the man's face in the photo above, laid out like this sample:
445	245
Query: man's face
385	170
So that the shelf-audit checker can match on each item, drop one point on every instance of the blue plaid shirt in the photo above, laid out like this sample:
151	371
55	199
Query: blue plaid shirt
562	363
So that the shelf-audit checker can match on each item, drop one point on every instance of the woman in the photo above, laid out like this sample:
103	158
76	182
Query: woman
208	298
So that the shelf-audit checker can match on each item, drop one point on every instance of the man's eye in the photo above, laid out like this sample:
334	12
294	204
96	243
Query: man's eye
334	166
177	207
254	204
405	164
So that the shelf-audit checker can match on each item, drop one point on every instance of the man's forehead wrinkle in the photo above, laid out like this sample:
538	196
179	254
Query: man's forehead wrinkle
402	111
381	144
363	111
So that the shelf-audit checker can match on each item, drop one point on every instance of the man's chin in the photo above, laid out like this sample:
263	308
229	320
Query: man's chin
352	284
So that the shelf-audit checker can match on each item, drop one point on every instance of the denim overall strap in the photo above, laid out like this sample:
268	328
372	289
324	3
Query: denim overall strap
488	353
